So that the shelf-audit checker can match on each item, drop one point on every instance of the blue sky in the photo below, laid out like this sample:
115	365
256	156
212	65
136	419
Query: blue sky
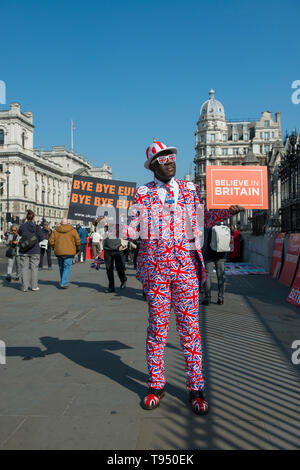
128	71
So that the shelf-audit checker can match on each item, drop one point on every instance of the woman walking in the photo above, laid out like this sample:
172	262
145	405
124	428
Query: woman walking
13	253
31	234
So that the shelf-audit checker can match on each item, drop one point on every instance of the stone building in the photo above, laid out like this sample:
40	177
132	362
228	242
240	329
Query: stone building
220	141
226	142
35	179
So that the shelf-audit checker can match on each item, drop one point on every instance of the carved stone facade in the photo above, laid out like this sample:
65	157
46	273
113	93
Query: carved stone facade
223	142
34	179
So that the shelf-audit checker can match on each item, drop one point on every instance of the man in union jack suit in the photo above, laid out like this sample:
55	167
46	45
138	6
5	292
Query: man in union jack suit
169	216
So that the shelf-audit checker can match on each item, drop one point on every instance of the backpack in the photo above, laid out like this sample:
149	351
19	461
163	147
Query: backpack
26	243
220	238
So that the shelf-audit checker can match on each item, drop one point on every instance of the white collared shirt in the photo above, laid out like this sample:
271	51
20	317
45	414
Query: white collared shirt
162	191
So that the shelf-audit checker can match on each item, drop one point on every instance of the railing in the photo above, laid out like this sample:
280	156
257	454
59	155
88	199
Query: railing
259	223
290	217
243	120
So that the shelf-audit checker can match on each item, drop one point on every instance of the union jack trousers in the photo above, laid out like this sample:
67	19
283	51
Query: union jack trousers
170	266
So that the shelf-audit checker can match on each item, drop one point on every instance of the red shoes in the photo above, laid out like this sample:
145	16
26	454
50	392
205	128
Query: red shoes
196	398
153	398
198	402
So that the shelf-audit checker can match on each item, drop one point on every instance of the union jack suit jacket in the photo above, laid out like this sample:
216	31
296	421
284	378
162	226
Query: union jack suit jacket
151	222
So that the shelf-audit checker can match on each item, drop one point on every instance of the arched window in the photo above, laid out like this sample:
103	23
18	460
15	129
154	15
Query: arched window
1	137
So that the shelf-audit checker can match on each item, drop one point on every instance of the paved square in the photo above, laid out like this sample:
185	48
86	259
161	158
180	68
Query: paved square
76	370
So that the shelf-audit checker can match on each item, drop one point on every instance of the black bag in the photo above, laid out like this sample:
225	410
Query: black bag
28	242
10	252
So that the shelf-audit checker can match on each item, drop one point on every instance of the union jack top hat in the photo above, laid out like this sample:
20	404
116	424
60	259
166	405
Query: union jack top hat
155	149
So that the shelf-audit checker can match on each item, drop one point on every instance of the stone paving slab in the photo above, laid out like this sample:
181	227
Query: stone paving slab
84	376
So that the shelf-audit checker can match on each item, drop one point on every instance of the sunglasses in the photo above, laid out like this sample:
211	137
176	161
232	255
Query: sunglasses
166	158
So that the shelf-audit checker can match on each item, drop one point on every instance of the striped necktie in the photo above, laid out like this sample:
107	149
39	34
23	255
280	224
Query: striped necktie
170	199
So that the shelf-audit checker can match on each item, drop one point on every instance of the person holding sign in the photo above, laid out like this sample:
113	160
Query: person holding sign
166	217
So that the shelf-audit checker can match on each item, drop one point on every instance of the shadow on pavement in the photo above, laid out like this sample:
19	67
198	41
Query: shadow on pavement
96	356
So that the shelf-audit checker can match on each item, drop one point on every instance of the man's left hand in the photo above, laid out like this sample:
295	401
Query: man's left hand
236	209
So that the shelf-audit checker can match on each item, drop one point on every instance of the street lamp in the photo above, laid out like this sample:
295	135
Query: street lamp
7	195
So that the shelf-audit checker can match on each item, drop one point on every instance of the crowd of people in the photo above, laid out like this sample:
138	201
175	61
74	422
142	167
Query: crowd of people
69	244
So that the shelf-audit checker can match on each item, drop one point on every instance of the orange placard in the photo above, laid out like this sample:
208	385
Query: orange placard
277	254
291	260
231	185
294	294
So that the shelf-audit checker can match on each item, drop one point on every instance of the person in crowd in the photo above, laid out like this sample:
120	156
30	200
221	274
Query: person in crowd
101	225
14	255
45	247
113	248
96	244
32	235
236	253
83	240
167	266
213	259
66	244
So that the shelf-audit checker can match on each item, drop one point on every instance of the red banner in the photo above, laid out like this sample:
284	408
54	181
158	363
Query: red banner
291	260
277	254
294	295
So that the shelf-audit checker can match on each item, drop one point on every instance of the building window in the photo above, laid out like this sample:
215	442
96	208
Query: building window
267	135
273	135
212	137
266	123
246	136
224	137
260	135
213	151
203	138
224	152
235	151
267	148
23	140
260	149
1	137
25	190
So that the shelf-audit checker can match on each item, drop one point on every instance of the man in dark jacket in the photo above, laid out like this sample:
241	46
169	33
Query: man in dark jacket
213	259
29	259
83	243
113	254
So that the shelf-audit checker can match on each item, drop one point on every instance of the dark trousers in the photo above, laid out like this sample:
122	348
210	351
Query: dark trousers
136	252
43	251
83	251
111	257
220	270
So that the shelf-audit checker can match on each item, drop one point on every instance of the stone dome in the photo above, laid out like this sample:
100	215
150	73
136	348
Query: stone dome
212	107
